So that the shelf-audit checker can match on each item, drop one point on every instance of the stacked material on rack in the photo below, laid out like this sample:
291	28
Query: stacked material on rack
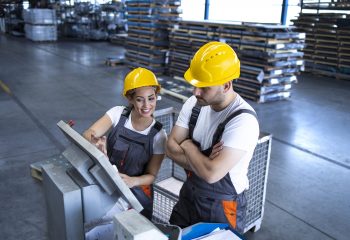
40	24
87	22
147	41
112	18
11	18
327	49
270	54
92	21
326	4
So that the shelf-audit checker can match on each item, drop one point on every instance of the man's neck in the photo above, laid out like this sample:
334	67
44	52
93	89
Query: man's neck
230	97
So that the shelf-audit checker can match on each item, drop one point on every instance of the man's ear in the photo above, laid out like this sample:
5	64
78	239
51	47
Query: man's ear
227	86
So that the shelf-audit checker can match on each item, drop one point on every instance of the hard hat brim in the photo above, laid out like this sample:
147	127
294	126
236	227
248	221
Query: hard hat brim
157	90
197	83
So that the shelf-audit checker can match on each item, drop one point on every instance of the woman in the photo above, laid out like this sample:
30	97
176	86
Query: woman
136	142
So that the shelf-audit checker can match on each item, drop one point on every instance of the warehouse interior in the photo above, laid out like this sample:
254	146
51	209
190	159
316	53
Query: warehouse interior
76	73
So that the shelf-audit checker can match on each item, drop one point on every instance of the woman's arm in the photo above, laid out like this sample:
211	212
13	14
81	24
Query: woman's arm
150	174
95	133
99	128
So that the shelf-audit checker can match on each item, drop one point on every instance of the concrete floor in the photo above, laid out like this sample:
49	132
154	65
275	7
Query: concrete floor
308	192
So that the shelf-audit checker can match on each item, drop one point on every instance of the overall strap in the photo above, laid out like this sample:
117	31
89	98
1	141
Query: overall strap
124	116
193	119
111	136
126	112
221	127
155	129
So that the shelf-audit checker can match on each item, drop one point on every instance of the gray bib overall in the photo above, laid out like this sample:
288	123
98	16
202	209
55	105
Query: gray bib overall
200	201
131	151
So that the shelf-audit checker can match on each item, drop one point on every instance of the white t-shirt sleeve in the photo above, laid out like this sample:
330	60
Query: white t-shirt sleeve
185	113
114	114
245	135
159	142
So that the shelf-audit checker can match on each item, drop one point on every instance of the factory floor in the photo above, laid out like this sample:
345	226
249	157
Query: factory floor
308	190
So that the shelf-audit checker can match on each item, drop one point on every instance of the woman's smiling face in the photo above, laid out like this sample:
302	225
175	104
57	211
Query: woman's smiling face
144	101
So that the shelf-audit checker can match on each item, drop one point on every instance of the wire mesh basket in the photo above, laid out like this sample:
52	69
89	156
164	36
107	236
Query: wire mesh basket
164	199
166	117
257	175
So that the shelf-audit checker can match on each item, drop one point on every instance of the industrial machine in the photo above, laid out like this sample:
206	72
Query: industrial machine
87	199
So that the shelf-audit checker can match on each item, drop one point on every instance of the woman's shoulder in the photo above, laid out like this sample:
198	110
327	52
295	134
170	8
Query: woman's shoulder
117	110
114	114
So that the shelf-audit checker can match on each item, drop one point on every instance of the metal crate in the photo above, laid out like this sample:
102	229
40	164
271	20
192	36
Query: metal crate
257	175
165	200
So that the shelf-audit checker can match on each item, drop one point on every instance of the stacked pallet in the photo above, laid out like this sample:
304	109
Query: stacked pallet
327	49
40	24
270	54
306	23
343	37
147	41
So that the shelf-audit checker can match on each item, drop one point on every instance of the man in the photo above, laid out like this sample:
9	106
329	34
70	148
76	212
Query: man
215	156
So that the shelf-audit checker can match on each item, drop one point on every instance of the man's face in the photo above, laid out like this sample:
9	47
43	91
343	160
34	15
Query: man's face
209	95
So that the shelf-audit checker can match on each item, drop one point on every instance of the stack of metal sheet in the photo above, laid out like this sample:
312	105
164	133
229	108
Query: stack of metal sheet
40	24
270	55
147	41
327	49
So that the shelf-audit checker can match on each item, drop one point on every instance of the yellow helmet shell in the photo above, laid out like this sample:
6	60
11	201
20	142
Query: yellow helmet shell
215	63
140	77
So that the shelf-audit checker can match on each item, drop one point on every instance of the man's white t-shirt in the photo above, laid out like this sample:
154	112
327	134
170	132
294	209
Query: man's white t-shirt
160	138
242	133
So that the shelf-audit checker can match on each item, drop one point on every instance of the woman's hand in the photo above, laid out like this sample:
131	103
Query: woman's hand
130	181
216	150
100	143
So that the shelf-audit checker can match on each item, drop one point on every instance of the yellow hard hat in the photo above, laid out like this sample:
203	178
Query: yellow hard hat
140	77
215	63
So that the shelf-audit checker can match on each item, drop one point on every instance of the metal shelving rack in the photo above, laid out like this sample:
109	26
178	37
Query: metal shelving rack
12	21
